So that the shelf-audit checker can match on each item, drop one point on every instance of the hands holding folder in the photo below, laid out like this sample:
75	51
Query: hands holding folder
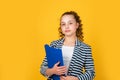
55	62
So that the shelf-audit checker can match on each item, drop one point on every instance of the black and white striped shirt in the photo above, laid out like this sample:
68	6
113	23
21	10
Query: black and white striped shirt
81	59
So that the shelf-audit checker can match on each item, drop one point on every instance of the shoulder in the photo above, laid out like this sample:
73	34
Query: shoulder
83	44
56	42
85	48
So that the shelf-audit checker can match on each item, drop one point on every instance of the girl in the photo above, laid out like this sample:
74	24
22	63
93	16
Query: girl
77	55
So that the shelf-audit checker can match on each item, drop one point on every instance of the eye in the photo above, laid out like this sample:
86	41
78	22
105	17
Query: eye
62	24
70	23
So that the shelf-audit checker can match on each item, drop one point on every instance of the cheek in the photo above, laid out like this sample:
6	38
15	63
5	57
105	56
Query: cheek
62	28
74	29
76	26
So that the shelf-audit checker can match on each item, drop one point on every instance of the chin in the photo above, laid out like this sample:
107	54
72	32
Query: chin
68	35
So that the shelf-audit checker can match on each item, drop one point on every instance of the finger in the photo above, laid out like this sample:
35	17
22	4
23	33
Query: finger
57	63
61	72
61	67
63	78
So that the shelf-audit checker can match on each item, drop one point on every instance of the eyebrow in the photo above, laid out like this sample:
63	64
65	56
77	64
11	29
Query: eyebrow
68	21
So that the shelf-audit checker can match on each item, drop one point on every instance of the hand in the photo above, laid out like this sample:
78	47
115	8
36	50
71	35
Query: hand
68	78
59	70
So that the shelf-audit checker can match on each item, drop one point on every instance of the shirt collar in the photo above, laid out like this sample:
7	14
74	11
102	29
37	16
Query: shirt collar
77	42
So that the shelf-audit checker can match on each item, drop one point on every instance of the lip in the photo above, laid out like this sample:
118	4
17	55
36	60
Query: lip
67	30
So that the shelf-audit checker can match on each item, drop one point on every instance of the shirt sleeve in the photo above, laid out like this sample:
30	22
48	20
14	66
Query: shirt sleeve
44	65
89	73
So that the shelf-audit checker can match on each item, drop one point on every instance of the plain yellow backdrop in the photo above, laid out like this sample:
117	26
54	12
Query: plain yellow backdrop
26	25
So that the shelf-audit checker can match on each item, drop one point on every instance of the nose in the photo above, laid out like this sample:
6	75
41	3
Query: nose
67	26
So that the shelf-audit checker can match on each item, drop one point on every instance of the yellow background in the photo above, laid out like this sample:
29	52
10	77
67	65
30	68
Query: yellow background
25	26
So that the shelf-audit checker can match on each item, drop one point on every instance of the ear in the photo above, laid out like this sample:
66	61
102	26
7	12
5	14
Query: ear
77	25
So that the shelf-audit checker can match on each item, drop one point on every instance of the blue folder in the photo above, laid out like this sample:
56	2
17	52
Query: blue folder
53	56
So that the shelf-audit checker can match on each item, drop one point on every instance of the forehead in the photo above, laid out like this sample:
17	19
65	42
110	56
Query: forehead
67	18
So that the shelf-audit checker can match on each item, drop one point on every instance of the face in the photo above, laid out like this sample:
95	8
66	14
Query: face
69	25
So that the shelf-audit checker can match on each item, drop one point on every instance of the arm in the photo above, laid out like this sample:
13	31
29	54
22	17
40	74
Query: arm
58	70
44	67
68	78
89	73
55	70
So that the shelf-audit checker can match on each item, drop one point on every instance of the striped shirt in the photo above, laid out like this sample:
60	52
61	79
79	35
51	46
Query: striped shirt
81	59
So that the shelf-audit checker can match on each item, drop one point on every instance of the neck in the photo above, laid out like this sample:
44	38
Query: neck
70	41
